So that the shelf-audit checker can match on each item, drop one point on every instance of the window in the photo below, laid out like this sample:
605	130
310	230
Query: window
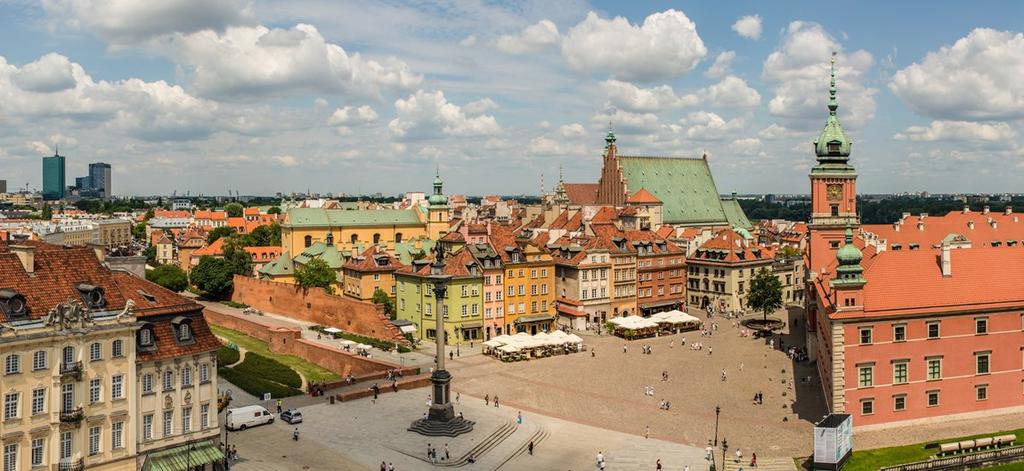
11	457
168	380
982	363
67	397
981	325
145	337
184	332
117	435
12	364
899	333
376	277
186	377
186	419
533	290
933	398
865	335
981	392
94	390
147	427
835	210
37	451
39	360
204	416
147	383
308	240
204	373
934	368
899	403
38	401
544	288
522	290
117	349
867	376
465	310
933	330
867	407
168	422
899	372
833	244
117	387
533	273
94	441
511	290
11	405
94	351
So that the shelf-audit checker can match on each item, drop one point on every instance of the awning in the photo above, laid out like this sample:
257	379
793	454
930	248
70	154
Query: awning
661	304
529	319
407	329
183	457
471	325
332	330
568	311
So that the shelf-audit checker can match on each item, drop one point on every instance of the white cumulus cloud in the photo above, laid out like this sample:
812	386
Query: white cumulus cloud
666	45
958	131
482	105
748	26
127	22
350	115
50	73
708	126
429	114
720	68
533	38
732	91
630	97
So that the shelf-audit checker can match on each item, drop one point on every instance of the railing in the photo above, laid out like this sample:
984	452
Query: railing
77	465
1002	455
71	369
71	416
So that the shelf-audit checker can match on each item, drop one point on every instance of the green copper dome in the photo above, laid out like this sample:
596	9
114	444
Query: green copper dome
849	254
438	198
832	144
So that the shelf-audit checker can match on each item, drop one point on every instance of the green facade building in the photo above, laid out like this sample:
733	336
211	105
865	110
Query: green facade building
54	183
463	305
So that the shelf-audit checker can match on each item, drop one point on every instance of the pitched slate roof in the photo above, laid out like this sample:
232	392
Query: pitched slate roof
684	185
315	217
327	253
283	266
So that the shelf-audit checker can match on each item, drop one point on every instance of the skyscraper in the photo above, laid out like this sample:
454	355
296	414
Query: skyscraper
99	179
53	177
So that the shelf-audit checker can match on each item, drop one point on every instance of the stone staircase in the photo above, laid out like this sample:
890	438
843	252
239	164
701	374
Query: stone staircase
641	454
763	464
503	432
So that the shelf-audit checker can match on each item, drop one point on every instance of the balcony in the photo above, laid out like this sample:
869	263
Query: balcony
71	369
71	465
72	416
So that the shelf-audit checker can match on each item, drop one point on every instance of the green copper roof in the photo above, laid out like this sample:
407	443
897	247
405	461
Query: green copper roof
684	185
327	253
832	144
849	271
734	213
438	198
405	250
315	217
280	267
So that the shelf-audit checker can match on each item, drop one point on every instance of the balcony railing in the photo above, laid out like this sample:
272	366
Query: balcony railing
71	369
75	465
71	416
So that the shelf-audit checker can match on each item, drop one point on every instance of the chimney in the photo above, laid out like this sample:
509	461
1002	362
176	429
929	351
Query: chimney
984	209
922	215
946	262
967	209
27	255
904	216
993	223
970	225
896	226
100	250
1008	211
920	226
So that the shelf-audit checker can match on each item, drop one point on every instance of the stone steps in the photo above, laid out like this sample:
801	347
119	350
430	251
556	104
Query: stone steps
763	464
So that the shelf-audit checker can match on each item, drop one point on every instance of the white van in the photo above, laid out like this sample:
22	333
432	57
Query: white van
241	418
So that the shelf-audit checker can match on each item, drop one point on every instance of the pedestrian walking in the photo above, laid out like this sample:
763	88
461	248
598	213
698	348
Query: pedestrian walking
625	349
657	465
451	355
495	401
279	404
753	460
487	399
383	466
647	431
709	351
530	447
447	456
519	418
600	461
458	398
391	466
428	452
739	455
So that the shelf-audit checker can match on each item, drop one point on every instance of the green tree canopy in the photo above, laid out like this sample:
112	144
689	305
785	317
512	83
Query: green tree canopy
316	274
218	232
765	293
234	209
169	276
380	297
788	251
274	210
262	236
47	213
240	260
214	276
139	231
150	254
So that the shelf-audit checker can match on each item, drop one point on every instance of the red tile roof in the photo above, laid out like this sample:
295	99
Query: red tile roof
264	254
975	226
368	261
215	249
642	196
581	193
728	246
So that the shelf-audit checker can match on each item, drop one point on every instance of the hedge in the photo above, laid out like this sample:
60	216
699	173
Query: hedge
259	366
227	356
234	304
381	344
255	385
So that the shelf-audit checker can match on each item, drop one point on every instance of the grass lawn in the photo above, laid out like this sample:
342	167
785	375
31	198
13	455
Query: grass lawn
871	460
311	371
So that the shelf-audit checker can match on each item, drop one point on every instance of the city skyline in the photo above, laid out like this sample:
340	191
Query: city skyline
381	94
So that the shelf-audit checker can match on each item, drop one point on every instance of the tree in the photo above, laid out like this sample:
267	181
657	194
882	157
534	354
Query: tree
274	210
47	213
765	293
262	236
169	276
150	254
139	231
234	209
239	260
316	274
380	297
149	214
789	252
218	232
214	276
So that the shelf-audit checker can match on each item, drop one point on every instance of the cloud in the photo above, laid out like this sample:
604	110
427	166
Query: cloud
775	131
128	22
708	126
627	96
50	73
748	26
259	61
627	122
732	91
480	106
746	146
799	70
468	41
666	45
285	160
977	78
958	131
429	114
720	68
351	115
545	146
533	38
574	130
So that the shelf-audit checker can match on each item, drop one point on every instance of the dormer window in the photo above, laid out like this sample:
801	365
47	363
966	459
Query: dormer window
184	332
145	336
91	295
182	329
833	147
13	304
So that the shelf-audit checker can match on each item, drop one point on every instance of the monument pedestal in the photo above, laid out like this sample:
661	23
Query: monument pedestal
441	420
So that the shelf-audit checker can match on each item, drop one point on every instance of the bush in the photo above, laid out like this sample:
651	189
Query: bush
169	276
227	356
255	385
381	344
234	304
259	366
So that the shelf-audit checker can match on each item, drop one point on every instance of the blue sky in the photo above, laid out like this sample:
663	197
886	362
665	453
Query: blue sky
355	97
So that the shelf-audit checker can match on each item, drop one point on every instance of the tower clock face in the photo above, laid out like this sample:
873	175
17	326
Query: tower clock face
834	192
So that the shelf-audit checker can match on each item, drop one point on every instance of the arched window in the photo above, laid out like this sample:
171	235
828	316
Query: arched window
355	238
308	240
398	237
376	239
69	355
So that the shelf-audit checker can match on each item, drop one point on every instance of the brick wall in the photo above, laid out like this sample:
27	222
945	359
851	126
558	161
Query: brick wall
317	306
289	341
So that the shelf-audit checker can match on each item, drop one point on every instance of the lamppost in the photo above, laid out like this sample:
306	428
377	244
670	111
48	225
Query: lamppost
227	450
718	410
440	419
725	448
188	456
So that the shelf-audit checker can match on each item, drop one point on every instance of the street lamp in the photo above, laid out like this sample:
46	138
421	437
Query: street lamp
227	450
188	456
725	448
718	410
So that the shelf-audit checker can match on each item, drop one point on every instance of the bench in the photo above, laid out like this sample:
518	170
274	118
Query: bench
1004	440
967	446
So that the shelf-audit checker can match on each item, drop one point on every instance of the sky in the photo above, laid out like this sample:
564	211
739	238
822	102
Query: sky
361	97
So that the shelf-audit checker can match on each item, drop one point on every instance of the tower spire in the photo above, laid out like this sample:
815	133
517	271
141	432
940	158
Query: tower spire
609	138
832	104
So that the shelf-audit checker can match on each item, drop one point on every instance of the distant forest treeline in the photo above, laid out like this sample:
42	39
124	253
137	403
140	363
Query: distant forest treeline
873	211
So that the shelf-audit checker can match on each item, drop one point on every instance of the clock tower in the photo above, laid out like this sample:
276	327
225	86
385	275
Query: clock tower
833	188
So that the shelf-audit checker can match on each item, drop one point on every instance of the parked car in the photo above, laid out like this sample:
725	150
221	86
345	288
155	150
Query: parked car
292	416
241	418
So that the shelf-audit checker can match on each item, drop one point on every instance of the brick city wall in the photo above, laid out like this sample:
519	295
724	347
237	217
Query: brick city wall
315	305
289	341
